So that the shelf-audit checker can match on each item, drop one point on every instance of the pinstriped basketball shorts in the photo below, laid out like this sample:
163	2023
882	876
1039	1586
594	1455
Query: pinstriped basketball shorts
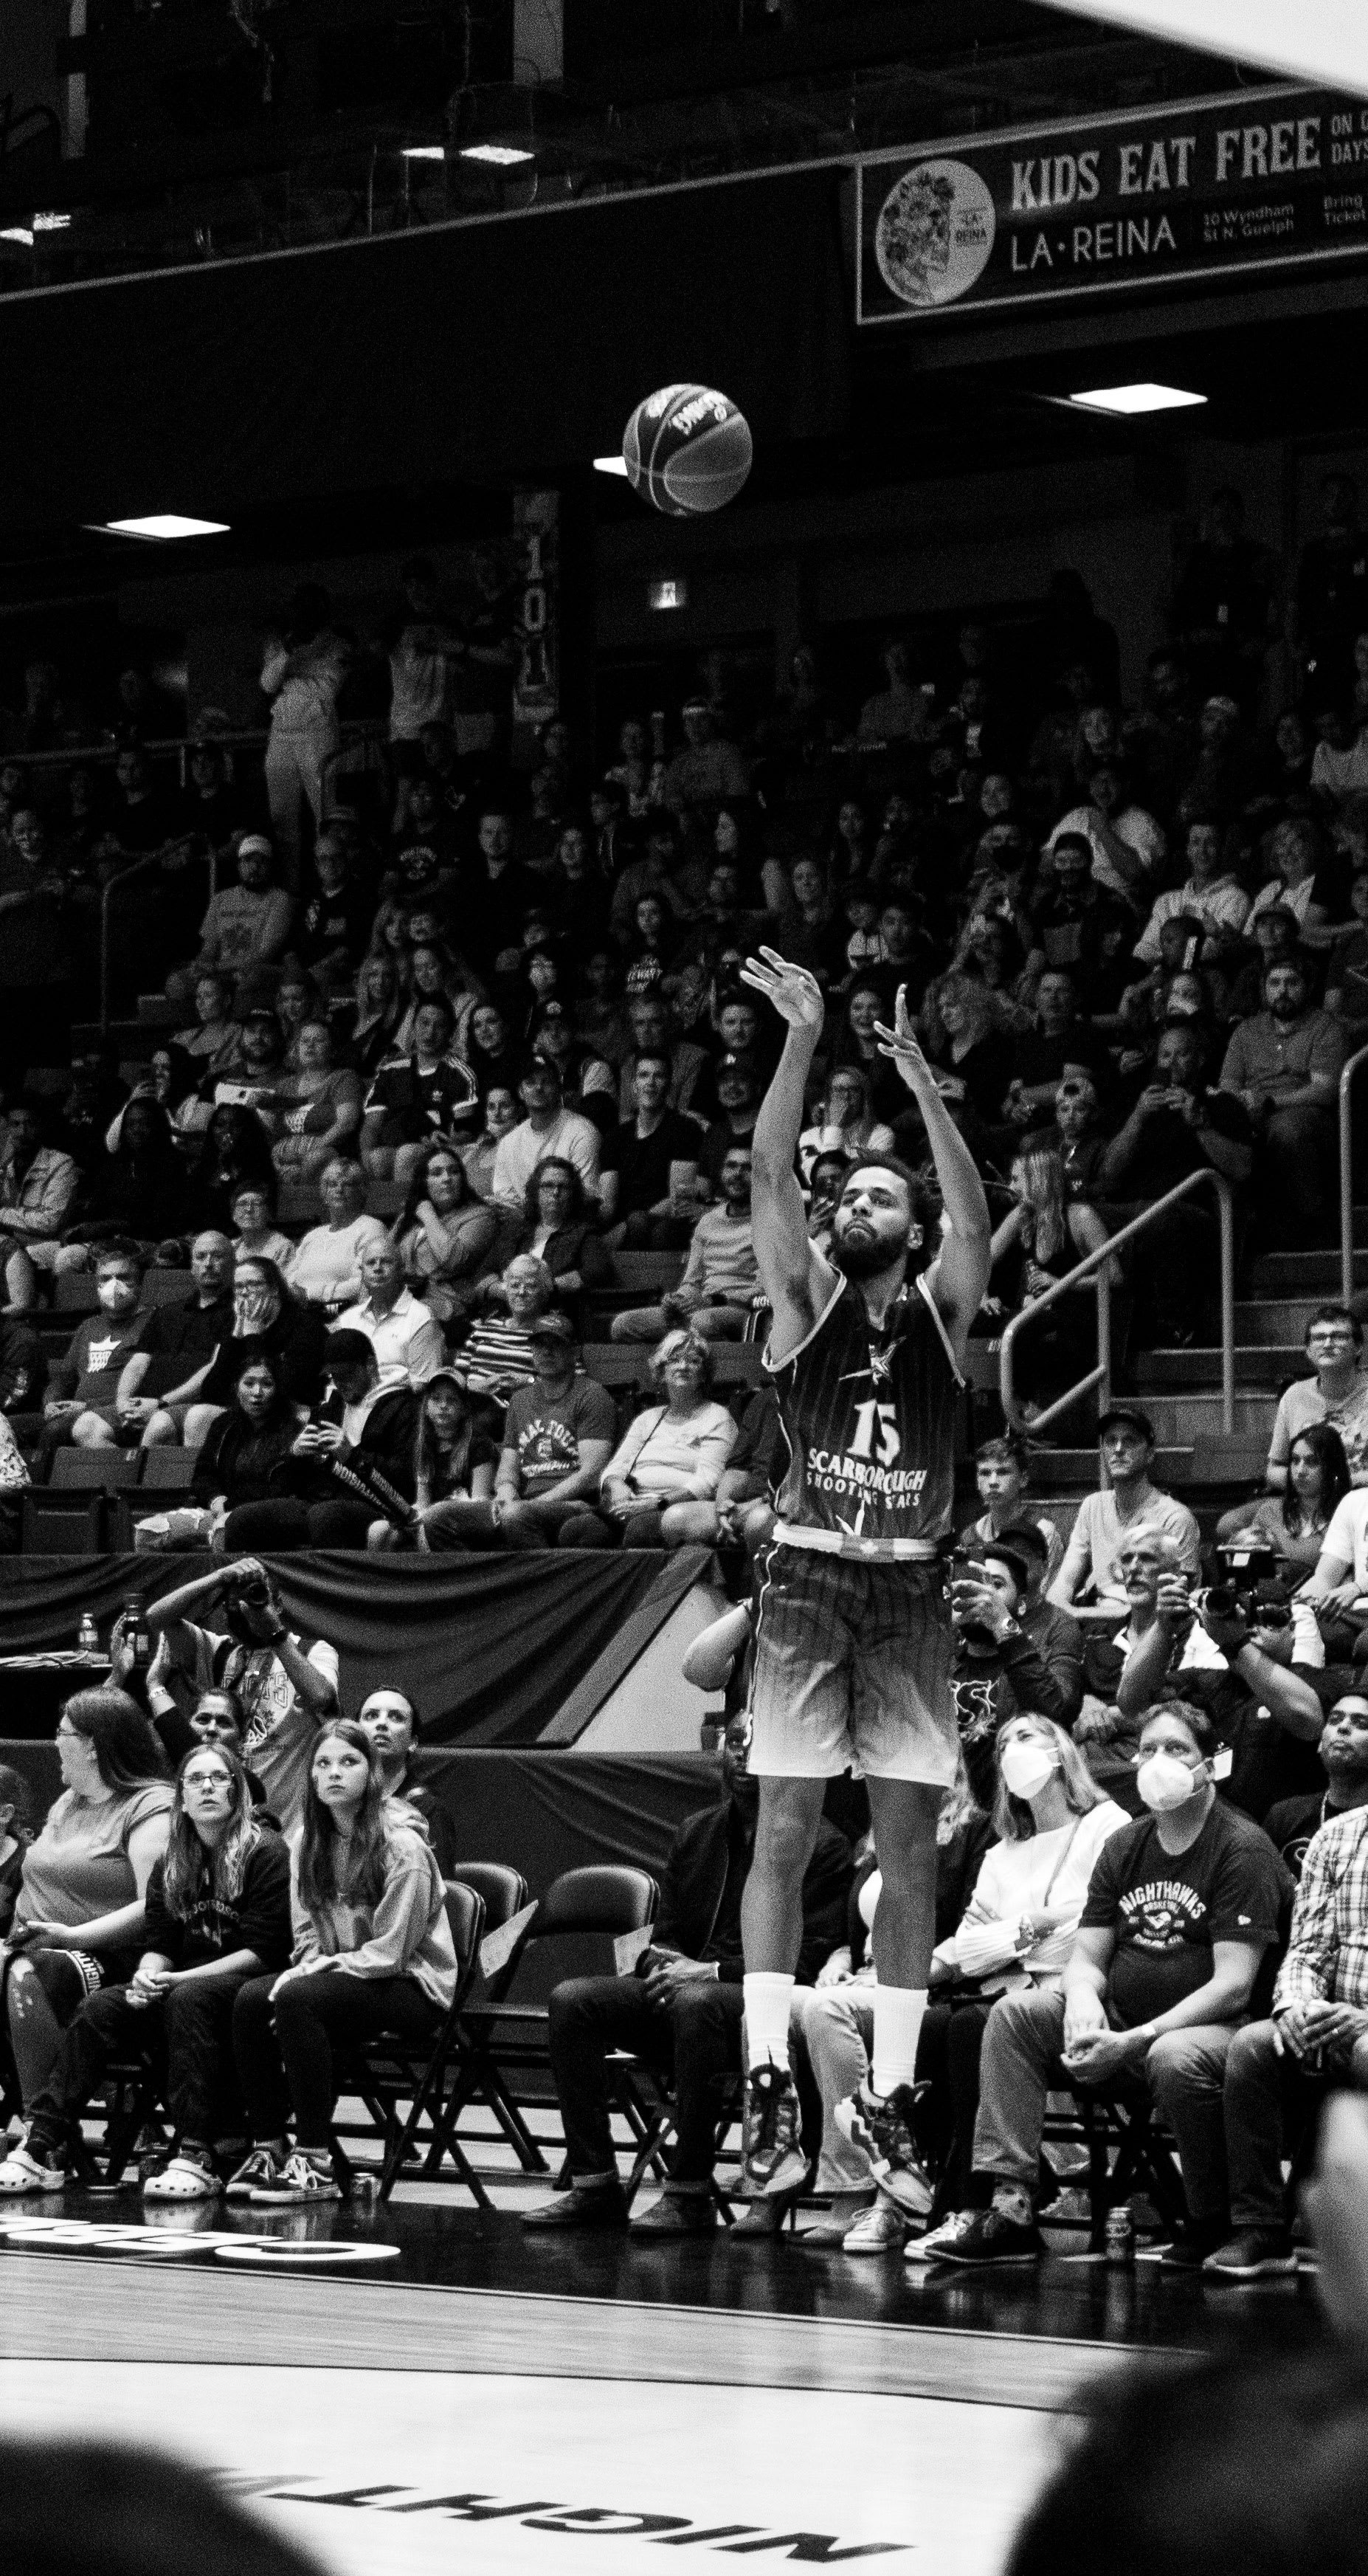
852	1666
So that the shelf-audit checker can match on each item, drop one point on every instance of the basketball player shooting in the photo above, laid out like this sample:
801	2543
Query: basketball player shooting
852	1637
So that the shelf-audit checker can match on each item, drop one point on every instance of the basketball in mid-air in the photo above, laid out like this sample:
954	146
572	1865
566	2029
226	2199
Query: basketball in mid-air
687	450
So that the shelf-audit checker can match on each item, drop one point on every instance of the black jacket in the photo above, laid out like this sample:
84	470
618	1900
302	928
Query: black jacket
695	1876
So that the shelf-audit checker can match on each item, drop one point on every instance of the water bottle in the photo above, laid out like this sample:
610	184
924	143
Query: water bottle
87	1635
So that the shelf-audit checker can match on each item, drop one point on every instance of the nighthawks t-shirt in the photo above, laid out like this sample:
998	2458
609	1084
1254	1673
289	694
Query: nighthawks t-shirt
1168	1908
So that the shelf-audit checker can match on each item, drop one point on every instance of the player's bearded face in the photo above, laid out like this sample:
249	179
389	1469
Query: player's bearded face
870	1235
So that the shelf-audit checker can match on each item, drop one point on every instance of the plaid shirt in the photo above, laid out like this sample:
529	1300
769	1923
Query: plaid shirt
1327	1954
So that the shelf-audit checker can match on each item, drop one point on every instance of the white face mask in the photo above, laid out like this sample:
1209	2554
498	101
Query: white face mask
1165	1782
1026	1767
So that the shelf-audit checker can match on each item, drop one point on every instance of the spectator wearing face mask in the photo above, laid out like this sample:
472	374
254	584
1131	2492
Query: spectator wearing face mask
1078	926
1266	1712
997	1668
81	1403
1181	1909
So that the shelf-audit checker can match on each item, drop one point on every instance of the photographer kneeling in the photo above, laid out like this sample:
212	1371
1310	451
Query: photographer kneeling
286	1693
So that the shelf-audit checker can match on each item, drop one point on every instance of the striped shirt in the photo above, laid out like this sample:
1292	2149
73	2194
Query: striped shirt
1327	1952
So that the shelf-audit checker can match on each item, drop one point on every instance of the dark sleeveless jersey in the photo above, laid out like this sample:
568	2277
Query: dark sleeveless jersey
870	1418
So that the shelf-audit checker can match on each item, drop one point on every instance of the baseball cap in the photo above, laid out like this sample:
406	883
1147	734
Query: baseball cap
255	842
347	1349
552	1327
1130	1413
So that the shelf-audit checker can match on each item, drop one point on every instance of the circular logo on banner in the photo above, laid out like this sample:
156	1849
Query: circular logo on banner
935	233
302	2253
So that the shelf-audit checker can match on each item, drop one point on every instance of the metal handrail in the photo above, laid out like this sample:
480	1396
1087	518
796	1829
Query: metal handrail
87	755
1346	1176
139	868
1099	1263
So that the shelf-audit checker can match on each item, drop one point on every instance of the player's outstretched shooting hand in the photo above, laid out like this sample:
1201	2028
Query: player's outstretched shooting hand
796	995
902	1045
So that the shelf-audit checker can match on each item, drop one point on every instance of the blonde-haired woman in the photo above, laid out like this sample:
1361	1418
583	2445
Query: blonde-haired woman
966	1043
1045	1236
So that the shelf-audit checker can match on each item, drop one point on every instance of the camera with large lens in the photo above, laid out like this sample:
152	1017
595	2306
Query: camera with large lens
252	1592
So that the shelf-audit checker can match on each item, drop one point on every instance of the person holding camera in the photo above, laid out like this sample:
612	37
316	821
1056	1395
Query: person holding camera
1267	1716
682	2009
285	1691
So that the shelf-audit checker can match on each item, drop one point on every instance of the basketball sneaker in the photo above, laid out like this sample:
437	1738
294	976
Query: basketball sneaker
303	2179
772	2157
881	2126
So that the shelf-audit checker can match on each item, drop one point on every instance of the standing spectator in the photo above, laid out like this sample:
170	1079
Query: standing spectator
422	645
1284	1065
403	1332
716	1295
1180	1910
547	1128
301	673
1337	1393
286	1693
244	933
1130	1502
414	1098
217	1910
372	1952
326	1268
672	1453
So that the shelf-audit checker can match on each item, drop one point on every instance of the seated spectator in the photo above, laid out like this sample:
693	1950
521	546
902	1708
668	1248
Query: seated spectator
1279	2072
500	1118
38	1186
1267	1716
997	1669
842	1122
739	1091
437	973
320	1105
405	1334
16	1833
495	1353
1211	894
242	1447
326	1269
672	1453
558	1436
1043	1239
389	1722
680	2009
214	1040
81	1401
1092	1558
1180	1910
1178	1126
1295	1520
349	1466
1015	1936
444	1234
831	2025
826	1188
547	1127
244	933
1060	1043
741	1512
23	1369
1343	1751
330	931
216	1717
374	1030
296	1000
372	1953
965	1043
558	1230
1339	1586
1126	846
1346	976
492	1057
138	1192
252	1085
78	1924
650	1164
1297	884
648	1021
235	1150
1080	927
415	1098
1078	1135
1056	1637
285	1693
216	1911
160	1379
256	1236
268	1321
454	1464
721	1280
1002	1474
1284	1066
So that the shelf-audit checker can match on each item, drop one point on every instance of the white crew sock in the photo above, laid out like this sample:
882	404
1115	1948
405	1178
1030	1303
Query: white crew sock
767	1998
898	2014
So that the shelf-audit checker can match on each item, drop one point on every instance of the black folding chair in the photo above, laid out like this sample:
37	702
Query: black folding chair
658	2113
505	1894
505	2044
388	2071
1129	2150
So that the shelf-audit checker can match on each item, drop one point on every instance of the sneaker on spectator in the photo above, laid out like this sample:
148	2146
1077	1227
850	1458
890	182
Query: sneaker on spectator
927	2248
772	2157
881	2230
257	2169
881	2126
990	2240
1191	2242
22	2172
303	2179
833	2229
1252	2254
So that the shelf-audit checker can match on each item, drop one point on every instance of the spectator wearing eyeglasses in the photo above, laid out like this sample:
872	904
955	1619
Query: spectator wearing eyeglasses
1337	1393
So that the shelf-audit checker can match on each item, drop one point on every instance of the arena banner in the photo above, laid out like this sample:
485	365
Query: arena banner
1205	189
489	1647
536	678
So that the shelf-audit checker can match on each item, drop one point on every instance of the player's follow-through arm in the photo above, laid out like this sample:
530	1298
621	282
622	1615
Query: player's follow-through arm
796	1279
959	1275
